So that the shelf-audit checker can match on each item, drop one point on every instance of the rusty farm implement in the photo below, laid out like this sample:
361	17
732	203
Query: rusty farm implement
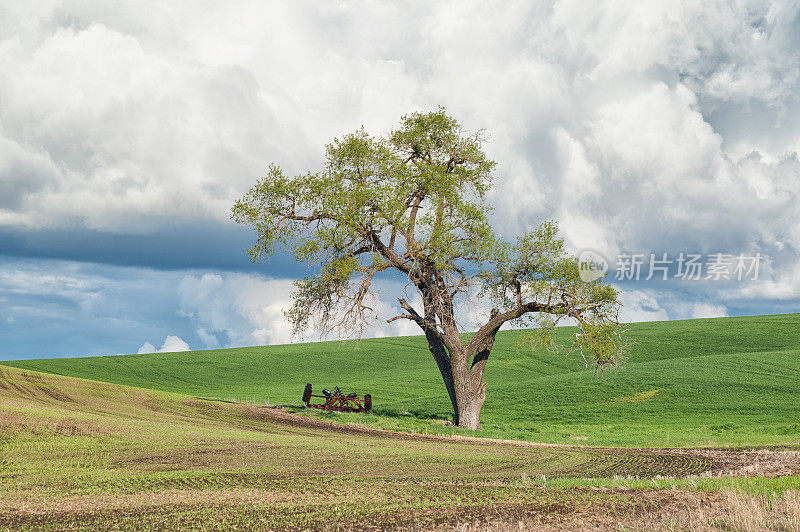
337	400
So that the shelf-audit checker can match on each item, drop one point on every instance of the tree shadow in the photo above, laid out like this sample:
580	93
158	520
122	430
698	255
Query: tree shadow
404	413
385	412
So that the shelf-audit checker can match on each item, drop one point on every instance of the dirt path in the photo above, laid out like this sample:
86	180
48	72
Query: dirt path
722	462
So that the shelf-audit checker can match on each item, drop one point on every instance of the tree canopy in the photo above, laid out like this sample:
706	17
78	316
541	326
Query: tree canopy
414	202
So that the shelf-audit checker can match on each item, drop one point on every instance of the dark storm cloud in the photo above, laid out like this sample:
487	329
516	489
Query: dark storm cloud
645	127
202	244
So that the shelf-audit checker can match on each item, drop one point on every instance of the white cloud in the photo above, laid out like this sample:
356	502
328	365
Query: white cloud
707	310
605	121
62	308
140	120
248	310
658	126
147	347
208	339
780	285
171	344
639	306
655	304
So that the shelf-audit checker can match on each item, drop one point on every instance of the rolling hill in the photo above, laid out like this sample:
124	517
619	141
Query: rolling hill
88	455
709	382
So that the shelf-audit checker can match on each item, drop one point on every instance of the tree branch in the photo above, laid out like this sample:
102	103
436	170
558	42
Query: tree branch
389	254
414	316
496	321
416	200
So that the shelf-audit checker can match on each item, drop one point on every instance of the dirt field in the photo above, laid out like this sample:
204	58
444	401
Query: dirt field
80	454
630	462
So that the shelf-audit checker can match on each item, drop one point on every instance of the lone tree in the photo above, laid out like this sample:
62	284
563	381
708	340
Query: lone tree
414	202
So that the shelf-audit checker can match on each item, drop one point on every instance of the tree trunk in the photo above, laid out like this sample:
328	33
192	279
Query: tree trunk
470	402
470	413
467	393
462	379
470	391
443	362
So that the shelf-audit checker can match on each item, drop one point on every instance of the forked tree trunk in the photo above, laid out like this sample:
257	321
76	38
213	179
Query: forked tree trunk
464	378
463	383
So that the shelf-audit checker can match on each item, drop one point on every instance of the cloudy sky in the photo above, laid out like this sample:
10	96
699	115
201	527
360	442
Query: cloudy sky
128	129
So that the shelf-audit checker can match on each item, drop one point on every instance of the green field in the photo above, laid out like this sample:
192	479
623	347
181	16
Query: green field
709	382
87	455
77	454
184	440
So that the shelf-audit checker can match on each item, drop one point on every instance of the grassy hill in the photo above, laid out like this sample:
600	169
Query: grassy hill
87	455
723	381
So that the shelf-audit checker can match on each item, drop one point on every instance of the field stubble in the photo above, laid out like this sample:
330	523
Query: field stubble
84	454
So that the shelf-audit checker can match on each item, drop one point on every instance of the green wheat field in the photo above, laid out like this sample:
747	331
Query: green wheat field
709	382
192	439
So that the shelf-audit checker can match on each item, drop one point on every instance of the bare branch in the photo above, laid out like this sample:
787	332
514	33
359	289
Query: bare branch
414	316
